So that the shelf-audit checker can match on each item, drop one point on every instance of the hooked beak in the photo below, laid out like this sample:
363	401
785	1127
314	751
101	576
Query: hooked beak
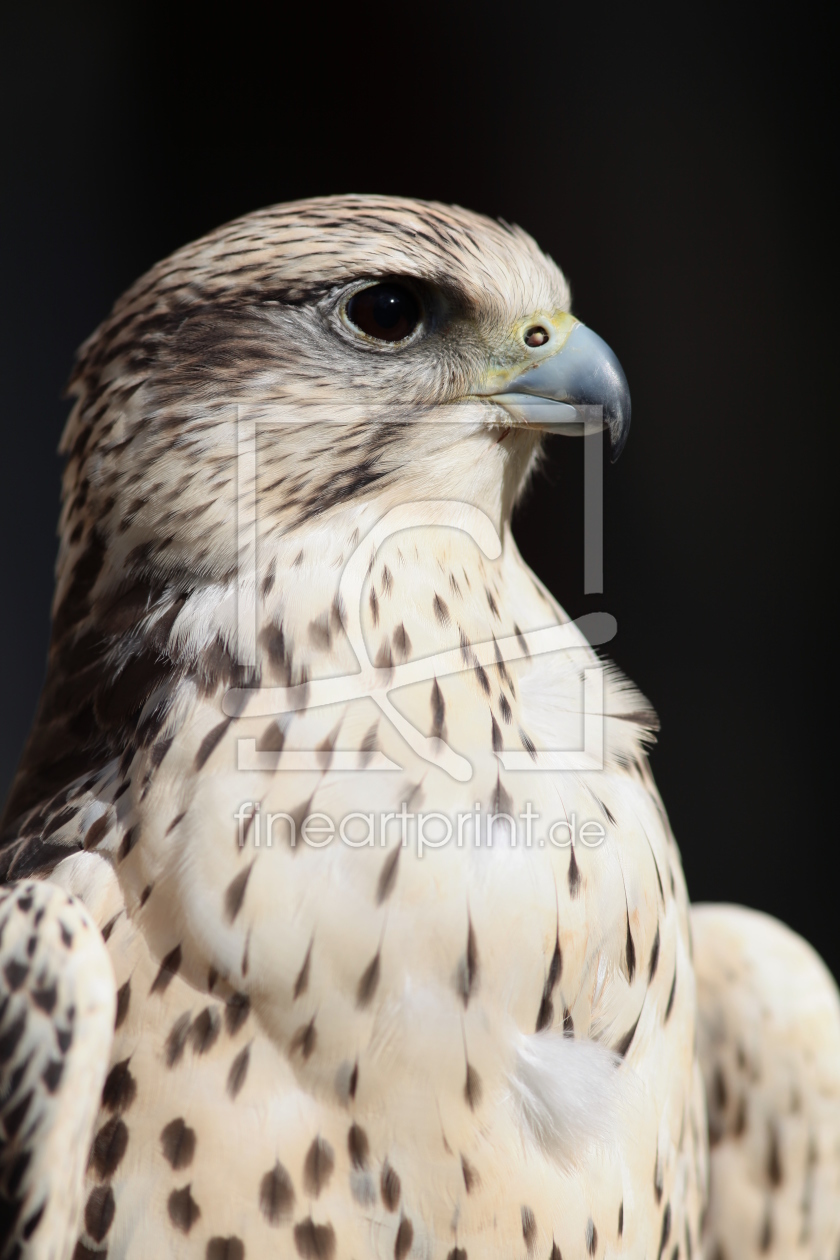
563	393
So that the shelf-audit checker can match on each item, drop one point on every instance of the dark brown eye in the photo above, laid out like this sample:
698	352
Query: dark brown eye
536	336
388	312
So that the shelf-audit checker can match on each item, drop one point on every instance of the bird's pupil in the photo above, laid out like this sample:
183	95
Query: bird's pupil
387	309
386	312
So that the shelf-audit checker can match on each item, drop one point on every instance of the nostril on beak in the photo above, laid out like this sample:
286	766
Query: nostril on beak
536	336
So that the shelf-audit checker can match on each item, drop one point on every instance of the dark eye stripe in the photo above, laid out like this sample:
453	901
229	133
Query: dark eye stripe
386	312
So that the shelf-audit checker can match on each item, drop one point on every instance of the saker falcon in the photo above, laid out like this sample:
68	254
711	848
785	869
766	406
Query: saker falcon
341	916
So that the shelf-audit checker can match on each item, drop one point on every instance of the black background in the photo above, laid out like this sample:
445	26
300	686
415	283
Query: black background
675	165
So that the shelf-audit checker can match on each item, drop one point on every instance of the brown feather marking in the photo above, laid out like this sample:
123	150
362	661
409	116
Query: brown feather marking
211	741
277	1196
368	982
318	1166
389	1187
183	1209
235	893
177	1142
387	876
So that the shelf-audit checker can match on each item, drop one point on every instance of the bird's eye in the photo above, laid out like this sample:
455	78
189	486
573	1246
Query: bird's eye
536	336
387	312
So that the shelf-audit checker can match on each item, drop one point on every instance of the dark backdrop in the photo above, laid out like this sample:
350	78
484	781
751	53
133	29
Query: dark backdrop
678	174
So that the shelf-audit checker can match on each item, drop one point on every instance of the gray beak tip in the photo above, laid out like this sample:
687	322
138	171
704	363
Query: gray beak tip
619	426
599	378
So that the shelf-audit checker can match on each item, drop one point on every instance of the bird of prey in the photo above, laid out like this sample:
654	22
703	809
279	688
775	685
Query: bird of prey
340	914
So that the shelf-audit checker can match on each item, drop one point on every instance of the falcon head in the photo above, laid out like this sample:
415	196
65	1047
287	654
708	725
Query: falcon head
388	348
384	352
